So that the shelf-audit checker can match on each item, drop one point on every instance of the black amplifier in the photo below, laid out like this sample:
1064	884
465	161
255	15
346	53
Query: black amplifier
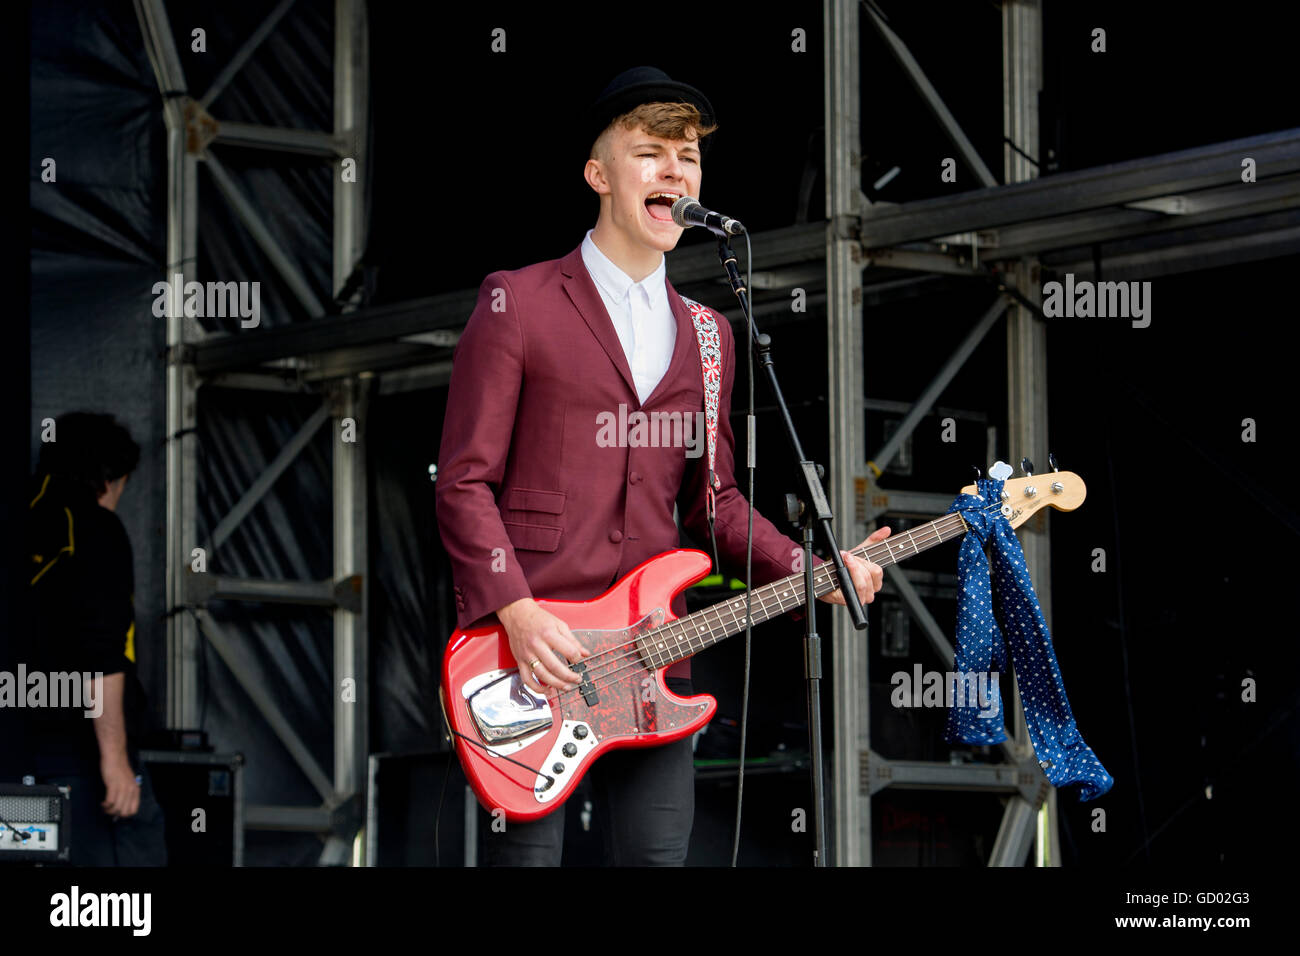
33	823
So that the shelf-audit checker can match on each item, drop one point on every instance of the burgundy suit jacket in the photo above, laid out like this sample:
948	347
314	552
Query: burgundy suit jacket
529	503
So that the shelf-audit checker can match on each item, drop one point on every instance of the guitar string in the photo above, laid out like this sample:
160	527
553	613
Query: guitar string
826	573
937	528
633	656
608	678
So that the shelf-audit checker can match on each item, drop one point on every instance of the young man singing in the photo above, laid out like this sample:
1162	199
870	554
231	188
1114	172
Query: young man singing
550	351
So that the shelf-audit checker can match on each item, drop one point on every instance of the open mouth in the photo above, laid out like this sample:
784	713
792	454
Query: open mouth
659	206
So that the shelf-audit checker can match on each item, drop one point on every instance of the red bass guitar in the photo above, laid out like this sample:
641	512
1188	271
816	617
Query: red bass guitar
524	753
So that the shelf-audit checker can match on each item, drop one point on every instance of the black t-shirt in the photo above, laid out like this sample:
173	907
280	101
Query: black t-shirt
82	583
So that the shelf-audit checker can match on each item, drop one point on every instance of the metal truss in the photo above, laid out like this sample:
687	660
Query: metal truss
1163	214
850	825
192	131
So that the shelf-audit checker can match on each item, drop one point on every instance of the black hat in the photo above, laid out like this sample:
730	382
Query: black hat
643	84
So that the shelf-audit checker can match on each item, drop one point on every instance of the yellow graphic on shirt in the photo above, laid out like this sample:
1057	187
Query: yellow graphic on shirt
69	548
40	494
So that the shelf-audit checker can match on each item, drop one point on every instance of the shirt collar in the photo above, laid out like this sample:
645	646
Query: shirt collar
614	281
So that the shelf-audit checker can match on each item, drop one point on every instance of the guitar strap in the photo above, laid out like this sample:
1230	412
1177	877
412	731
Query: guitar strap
710	343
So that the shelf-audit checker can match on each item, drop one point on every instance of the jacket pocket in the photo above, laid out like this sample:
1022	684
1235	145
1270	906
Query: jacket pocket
526	515
530	499
532	537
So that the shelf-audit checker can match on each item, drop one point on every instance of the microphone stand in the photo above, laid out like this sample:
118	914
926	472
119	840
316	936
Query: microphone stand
819	515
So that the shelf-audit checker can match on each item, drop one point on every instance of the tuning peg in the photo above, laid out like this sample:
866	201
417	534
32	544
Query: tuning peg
978	473
1027	467
1051	462
1000	471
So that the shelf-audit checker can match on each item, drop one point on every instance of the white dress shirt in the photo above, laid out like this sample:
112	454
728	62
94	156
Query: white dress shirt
641	315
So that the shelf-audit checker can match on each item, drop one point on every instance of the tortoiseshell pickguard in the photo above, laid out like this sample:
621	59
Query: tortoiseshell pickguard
631	700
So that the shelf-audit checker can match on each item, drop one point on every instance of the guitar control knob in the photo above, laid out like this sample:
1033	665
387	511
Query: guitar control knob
570	749
580	732
1030	491
558	767
1057	487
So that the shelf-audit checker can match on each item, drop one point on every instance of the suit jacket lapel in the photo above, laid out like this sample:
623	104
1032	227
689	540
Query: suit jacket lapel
581	290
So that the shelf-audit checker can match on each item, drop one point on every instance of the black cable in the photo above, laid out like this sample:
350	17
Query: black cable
437	818
751	459
437	815
550	781
1003	285
6	823
1010	142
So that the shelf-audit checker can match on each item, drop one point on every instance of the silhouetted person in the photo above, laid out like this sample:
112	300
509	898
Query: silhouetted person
82	583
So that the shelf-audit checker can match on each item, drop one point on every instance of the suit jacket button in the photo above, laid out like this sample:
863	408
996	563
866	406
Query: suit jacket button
616	536
634	478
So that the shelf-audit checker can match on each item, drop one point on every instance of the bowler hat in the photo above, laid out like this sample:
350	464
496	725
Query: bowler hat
643	84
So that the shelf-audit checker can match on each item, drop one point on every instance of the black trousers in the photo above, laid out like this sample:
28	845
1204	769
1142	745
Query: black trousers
645	798
96	840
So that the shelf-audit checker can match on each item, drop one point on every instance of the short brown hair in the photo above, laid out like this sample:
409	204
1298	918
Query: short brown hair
667	120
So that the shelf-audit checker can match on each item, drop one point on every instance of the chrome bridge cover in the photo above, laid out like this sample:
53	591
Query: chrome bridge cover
505	709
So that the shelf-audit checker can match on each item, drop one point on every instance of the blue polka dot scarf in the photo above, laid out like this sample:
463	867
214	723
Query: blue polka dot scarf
1061	752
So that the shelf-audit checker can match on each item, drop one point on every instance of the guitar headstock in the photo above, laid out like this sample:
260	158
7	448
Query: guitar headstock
1023	497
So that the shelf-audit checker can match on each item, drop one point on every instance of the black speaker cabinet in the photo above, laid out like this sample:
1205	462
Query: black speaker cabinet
201	795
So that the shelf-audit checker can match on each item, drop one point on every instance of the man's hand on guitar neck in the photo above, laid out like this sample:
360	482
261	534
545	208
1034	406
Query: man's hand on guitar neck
537	635
867	577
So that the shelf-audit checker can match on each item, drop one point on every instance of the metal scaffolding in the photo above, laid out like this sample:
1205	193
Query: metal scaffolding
850	819
1162	215
191	133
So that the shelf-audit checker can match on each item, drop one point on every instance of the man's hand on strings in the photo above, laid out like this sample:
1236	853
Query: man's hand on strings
868	577
543	645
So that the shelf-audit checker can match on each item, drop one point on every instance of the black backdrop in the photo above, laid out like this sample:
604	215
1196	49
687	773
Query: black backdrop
1195	521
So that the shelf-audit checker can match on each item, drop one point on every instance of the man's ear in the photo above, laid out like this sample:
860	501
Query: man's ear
594	173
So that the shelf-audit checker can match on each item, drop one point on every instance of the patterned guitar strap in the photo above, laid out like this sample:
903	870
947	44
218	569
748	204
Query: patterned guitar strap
710	343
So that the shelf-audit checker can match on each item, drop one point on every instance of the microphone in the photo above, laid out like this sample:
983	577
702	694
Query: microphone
688	212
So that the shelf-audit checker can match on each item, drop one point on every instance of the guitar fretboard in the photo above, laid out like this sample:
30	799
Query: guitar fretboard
687	636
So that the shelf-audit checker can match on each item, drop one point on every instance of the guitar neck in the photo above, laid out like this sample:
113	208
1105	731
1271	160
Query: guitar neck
687	636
